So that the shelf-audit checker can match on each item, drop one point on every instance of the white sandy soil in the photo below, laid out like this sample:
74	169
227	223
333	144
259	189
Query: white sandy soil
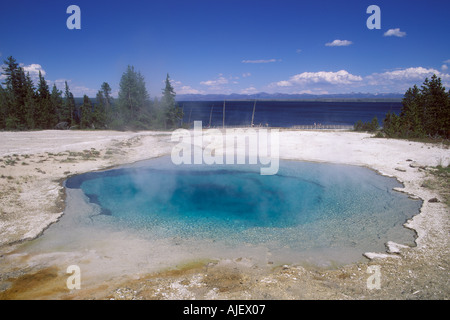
34	164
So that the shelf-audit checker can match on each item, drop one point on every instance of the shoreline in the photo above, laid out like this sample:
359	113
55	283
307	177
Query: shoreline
431	237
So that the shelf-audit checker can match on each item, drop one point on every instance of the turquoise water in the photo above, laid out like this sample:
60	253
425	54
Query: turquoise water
305	207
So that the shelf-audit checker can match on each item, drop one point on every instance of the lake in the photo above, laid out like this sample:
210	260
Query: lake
285	113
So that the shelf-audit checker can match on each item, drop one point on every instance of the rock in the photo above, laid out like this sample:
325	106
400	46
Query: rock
400	169
434	200
373	255
393	247
416	165
64	125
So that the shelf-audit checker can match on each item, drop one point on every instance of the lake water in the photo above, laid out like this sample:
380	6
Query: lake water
315	212
286	113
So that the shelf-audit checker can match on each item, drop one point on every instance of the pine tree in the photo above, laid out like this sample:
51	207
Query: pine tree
106	92
57	103
3	107
435	104
11	70
46	114
172	113
20	110
86	113
134	100
99	113
391	125
30	103
14	93
69	106
425	112
411	116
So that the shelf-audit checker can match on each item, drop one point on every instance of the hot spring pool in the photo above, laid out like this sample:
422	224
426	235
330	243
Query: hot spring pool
308	212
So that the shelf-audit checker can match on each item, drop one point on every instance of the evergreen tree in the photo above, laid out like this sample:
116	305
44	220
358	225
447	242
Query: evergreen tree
435	101
46	114
43	90
86	113
3	107
14	83
391	124
10	71
425	112
411	116
69	106
172	113
30	103
20	110
107	104
133	101
99	114
57	103
370	126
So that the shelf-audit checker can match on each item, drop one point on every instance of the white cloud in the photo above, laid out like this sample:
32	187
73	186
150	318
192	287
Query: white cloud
188	90
447	61
327	77
76	90
314	91
260	61
284	83
180	88
444	67
249	90
408	74
402	79
212	83
395	32
115	93
80	91
60	83
339	43
2	76
298	50
33	69
321	82
173	82
246	75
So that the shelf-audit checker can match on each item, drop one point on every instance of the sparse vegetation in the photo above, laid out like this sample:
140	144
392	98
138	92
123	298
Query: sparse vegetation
370	126
440	182
10	162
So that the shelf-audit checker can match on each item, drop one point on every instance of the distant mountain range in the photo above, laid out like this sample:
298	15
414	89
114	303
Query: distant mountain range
395	97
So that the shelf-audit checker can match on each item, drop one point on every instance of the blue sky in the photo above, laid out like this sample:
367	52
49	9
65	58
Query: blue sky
231	46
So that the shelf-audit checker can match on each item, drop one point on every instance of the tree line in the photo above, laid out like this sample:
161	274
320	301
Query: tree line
425	113
24	106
